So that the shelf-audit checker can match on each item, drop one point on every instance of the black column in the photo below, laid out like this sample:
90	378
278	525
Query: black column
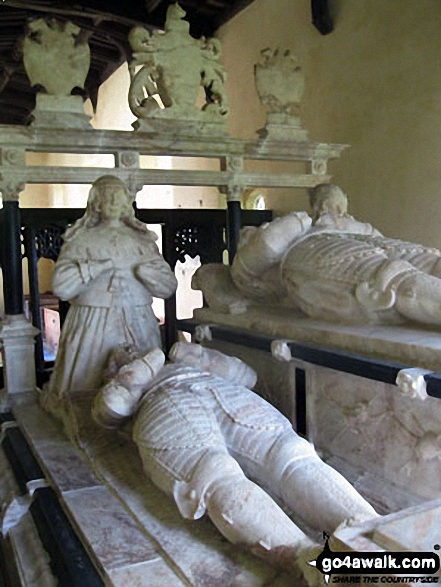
234	223
168	252
31	254
12	268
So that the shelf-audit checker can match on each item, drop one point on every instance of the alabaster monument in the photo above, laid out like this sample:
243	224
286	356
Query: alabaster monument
330	266
173	66
56	58
280	83
202	435
108	269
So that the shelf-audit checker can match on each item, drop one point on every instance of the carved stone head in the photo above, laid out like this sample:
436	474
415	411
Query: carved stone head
109	197
328	198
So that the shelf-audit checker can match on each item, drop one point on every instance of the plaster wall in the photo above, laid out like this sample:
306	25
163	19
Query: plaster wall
374	83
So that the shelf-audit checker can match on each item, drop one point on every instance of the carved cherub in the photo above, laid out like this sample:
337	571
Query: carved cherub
358	417
427	446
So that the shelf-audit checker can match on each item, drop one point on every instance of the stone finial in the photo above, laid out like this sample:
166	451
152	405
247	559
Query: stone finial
280	350
411	383
173	67
280	83
56	56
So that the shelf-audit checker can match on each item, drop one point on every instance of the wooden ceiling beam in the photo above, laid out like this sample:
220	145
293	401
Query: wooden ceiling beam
151	5
321	17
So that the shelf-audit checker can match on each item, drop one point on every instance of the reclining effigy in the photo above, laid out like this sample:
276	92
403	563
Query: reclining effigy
203	434
331	267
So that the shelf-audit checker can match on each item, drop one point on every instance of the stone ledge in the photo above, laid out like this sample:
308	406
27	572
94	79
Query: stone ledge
402	344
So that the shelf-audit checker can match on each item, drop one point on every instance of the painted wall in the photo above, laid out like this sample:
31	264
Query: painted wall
374	83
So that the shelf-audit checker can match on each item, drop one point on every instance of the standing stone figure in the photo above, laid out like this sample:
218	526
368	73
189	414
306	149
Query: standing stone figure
202	435
108	269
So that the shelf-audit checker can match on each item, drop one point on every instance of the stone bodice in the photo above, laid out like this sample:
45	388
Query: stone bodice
104	265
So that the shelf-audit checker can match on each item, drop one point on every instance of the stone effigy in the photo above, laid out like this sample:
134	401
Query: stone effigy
56	57
109	268
173	66
332	267
200	430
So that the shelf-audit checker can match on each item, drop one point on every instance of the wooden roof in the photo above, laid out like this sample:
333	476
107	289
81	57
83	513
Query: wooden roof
108	24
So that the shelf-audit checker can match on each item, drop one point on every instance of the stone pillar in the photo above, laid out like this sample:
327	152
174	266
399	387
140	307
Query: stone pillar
234	223
234	166
12	268
16	332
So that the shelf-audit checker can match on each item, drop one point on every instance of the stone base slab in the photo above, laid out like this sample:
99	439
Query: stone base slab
407	345
60	112
133	532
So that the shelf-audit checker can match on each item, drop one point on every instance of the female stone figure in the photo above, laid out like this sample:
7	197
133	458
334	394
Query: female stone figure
109	268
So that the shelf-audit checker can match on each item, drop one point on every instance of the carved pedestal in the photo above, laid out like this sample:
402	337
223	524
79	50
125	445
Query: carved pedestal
17	341
60	112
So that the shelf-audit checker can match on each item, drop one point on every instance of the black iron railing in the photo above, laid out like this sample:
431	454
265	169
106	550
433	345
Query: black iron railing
185	232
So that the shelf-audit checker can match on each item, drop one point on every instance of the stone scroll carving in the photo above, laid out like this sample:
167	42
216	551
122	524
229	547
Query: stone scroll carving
172	67
330	266
202	434
108	269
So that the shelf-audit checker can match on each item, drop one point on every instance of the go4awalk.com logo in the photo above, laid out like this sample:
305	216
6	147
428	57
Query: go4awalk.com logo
377	567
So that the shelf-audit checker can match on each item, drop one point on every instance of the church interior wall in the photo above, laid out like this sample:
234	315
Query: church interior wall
374	83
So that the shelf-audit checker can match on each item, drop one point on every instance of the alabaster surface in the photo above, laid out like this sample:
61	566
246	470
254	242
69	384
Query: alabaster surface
408	345
108	269
275	378
199	428
384	441
173	67
332	267
133	533
62	112
372	425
